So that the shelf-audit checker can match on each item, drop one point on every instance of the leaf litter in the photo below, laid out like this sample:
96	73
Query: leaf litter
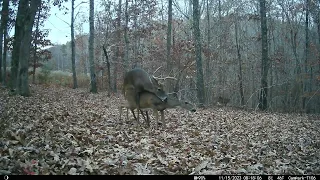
66	131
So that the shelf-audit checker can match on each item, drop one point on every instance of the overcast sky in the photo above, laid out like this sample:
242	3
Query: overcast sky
59	30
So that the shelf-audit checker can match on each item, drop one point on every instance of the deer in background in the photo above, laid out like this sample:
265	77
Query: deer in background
223	101
140	81
150	100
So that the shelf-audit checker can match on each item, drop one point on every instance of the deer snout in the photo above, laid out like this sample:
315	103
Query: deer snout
163	96
193	110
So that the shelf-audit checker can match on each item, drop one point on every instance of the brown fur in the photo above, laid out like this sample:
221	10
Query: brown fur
149	100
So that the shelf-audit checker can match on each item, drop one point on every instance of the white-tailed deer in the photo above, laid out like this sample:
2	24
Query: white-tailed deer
140	81
223	101
150	100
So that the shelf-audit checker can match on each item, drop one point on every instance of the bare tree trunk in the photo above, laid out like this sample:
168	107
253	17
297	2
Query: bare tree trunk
4	57
4	29
126	39
263	103
239	61
35	57
220	47
1	36
306	84
135	48
73	49
93	78
108	69
318	23
272	72
18	34
117	59
24	53
169	85
196	28
1	39
209	93
315	12
318	29
85	57
169	30
190	11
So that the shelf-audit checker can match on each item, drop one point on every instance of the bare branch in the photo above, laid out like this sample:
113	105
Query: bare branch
179	9
202	7
83	2
62	19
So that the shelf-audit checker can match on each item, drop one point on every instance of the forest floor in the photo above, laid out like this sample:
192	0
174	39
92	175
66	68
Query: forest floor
66	131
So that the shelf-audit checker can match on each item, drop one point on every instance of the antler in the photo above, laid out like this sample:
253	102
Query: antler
157	69
161	78
165	78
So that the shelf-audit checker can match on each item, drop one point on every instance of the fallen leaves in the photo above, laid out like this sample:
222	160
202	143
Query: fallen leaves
66	131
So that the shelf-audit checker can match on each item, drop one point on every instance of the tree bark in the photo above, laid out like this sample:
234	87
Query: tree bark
169	30
108	69
3	36
4	29
117	58
196	28
307	81
220	23
4	57
169	85
220	49
135	43
263	103
126	39
208	60
35	58
24	53
18	34
239	61
315	12
93	78
73	49
1	39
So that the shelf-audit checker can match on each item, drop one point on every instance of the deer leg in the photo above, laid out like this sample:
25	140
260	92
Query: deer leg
132	110
138	104
141	111
155	112
127	113
120	112
146	119
162	118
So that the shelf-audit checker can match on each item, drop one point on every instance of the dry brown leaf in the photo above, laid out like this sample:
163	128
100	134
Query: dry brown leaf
72	171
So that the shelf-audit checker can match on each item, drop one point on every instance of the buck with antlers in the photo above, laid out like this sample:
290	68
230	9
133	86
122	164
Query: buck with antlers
140	81
150	100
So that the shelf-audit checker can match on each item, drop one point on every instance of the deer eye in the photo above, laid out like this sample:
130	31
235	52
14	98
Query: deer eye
186	103
159	89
